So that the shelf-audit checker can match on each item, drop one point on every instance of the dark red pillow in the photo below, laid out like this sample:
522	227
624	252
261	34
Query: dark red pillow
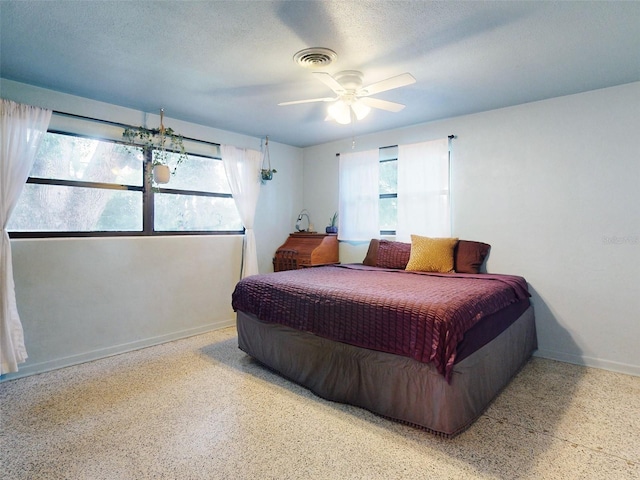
387	254
393	254
372	253
469	256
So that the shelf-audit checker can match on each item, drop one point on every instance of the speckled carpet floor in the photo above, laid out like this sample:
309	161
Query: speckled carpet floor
200	408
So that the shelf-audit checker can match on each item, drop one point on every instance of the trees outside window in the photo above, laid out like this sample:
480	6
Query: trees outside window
82	186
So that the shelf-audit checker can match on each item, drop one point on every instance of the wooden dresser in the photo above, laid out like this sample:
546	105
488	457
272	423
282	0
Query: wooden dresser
305	249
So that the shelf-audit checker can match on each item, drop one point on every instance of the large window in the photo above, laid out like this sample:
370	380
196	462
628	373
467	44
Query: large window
396	191
82	186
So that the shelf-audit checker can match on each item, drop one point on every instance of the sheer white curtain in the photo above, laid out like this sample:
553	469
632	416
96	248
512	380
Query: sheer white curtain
22	128
359	196
242	167
423	190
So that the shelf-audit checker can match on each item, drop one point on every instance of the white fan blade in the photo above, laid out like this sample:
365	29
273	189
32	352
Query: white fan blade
310	100
381	104
388	84
330	82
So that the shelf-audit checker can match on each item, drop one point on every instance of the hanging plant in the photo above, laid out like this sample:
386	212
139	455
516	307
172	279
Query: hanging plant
161	173
266	173
164	142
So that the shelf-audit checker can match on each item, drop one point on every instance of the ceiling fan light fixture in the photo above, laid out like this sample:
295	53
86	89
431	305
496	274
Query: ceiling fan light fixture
340	112
345	111
360	110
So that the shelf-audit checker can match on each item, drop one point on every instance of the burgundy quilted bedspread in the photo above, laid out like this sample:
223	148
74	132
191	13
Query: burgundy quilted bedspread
418	315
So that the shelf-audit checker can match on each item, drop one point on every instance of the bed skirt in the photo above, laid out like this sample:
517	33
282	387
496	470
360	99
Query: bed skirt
396	387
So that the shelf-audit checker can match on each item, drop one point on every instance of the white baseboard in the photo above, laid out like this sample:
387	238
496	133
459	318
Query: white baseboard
32	369
148	342
589	362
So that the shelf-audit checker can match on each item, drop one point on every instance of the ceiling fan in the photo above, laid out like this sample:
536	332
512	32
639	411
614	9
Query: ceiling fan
352	100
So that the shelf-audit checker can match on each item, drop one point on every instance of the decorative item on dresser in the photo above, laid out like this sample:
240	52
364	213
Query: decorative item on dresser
305	249
333	224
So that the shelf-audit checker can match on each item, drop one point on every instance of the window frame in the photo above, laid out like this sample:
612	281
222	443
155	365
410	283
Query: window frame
148	190
388	195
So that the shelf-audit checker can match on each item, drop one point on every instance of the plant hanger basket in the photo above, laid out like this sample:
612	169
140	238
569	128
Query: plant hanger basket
164	142
266	172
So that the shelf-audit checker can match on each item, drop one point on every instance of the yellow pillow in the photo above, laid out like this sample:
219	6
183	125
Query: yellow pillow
431	254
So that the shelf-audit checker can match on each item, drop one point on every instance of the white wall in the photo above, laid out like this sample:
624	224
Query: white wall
554	187
85	298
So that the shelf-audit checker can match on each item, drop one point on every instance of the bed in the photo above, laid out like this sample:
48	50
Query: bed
430	349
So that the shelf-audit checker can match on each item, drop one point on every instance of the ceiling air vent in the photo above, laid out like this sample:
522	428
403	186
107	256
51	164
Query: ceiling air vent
315	57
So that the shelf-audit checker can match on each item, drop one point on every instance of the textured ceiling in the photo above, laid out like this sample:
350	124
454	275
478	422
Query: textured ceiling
227	64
